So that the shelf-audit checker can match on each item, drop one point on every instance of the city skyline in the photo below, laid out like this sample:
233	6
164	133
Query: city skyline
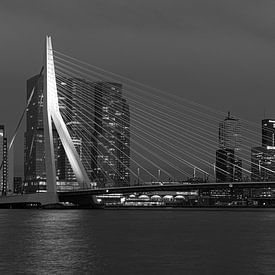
82	100
229	134
143	137
194	57
99	127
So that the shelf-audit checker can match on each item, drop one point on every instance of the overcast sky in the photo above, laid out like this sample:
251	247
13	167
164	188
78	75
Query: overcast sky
219	53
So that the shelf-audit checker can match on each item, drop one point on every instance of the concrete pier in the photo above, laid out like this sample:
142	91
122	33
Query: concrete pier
25	200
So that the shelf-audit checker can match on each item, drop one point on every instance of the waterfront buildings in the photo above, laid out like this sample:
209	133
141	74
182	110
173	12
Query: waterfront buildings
268	133
98	119
100	130
79	118
3	160
228	161
34	153
224	165
262	164
111	135
263	157
230	133
18	185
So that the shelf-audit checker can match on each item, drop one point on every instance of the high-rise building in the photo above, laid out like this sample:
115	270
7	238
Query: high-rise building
112	135
100	129
228	161
263	158
34	165
3	160
79	118
98	120
224	165
18	184
228	167
262	164
10	153
229	133
268	133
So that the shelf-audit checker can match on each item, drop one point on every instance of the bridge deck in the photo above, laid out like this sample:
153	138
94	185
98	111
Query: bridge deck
170	187
85	195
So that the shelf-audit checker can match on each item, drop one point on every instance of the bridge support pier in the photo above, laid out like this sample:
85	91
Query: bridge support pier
82	202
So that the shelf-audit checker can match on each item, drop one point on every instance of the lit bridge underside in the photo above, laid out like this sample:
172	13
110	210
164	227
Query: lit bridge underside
81	195
85	198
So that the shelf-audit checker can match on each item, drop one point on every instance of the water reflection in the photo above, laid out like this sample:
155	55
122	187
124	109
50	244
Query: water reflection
44	242
265	262
137	242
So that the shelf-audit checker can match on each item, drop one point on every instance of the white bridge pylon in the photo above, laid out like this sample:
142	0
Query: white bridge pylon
51	114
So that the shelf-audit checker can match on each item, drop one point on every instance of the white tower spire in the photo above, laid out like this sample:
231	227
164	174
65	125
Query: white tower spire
52	114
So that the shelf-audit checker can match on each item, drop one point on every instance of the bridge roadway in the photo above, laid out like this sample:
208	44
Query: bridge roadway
86	197
65	196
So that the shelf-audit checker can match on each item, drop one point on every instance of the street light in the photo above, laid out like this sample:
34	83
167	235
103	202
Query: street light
159	175
138	175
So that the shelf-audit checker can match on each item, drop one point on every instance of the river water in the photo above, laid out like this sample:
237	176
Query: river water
137	242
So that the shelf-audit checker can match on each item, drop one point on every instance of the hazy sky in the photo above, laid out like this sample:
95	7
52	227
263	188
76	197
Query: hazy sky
219	53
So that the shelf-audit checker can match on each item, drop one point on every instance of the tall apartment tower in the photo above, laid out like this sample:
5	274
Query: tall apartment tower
228	162
3	161
268	133
229	133
111	135
99	127
263	157
79	119
100	130
34	155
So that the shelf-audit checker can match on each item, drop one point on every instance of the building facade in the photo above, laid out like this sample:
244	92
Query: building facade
268	133
263	157
3	161
262	164
34	155
111	135
98	120
18	185
228	161
230	133
78	115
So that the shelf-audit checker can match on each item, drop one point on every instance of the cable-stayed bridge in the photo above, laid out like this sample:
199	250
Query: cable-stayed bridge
103	133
